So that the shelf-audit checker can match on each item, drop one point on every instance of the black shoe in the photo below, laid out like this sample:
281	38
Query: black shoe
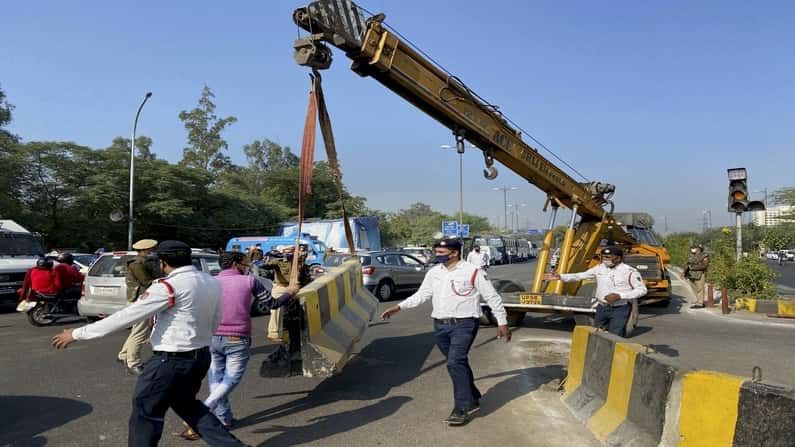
475	406
457	418
135	370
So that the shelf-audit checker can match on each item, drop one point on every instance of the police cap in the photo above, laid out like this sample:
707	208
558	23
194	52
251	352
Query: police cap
145	244
613	250
452	244
174	248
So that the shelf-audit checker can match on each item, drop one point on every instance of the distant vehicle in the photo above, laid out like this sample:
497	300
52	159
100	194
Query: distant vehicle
105	287
19	249
553	260
424	254
317	249
385	273
366	232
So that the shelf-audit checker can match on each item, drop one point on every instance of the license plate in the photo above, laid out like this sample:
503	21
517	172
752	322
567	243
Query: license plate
529	299
107	291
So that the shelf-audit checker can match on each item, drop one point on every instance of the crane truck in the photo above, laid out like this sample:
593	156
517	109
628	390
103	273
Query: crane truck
379	52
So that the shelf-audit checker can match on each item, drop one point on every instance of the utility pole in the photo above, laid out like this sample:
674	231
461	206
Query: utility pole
505	190
132	173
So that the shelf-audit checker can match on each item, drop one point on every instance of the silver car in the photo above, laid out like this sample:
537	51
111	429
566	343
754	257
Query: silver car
105	288
385	273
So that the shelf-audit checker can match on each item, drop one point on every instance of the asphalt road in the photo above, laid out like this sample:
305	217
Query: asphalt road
394	392
786	279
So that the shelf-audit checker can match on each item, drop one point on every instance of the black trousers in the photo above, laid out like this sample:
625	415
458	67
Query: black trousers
614	319
172	382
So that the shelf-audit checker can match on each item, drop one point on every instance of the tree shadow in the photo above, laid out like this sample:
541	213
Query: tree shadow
382	365
518	383
24	418
325	426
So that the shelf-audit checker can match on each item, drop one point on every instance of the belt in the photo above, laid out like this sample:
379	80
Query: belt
454	320
183	355
612	306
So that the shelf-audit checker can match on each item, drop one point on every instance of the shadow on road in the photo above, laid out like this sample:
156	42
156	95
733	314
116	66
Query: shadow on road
665	350
24	418
518	383
382	365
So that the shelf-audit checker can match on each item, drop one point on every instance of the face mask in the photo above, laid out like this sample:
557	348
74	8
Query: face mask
607	263
442	259
693	250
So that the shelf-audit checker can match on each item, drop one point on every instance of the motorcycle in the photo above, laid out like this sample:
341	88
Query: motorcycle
49	309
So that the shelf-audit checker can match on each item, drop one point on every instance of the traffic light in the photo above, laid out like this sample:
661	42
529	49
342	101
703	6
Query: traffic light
738	190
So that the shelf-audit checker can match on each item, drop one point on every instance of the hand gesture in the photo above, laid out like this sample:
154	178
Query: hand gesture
293	289
551	276
504	332
389	312
64	339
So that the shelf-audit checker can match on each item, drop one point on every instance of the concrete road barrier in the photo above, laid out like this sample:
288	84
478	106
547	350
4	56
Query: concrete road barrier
337	309
628	395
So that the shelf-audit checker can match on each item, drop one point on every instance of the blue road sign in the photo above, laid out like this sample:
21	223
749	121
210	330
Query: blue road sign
464	230
449	228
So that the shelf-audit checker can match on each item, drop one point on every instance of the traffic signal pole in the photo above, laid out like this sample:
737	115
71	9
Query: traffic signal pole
739	245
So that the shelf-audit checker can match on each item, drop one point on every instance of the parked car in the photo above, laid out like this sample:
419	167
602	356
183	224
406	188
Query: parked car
385	273
424	254
105	288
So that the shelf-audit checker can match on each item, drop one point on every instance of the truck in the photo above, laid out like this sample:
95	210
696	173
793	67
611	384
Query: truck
366	232
381	53
19	250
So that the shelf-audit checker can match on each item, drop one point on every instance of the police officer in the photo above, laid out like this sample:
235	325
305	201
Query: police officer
696	273
186	305
282	267
477	258
616	285
140	273
455	288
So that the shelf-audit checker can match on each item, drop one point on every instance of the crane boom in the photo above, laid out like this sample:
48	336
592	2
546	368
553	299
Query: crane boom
379	53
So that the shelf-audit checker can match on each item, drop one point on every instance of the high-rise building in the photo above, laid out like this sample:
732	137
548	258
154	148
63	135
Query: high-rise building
774	215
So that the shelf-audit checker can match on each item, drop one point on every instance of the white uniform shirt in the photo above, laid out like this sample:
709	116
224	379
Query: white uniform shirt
189	325
479	260
454	295
623	279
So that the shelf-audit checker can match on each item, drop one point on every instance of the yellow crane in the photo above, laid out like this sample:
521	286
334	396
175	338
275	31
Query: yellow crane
379	52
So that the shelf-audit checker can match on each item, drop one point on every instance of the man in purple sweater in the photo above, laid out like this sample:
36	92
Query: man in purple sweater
232	340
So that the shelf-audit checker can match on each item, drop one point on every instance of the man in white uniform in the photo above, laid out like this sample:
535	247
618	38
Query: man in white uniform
455	288
478	259
616	285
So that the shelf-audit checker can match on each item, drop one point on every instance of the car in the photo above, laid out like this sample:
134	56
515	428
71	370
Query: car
385	273
105	289
424	254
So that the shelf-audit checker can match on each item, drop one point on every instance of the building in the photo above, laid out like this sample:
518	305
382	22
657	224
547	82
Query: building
774	215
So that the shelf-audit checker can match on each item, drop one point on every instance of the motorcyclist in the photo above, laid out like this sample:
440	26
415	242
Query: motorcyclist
70	277
43	279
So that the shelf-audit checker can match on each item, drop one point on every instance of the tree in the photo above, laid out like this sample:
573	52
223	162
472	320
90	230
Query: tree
205	144
7	139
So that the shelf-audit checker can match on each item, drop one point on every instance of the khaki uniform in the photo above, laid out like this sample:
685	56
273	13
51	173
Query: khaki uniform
282	268
696	274
139	278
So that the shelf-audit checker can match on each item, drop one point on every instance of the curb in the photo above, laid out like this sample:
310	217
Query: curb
780	307
628	395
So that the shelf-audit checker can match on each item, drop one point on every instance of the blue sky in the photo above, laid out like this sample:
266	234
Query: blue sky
658	98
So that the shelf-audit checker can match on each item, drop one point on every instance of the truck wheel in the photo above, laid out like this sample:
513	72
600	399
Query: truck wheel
384	290
515	318
632	322
487	318
583	319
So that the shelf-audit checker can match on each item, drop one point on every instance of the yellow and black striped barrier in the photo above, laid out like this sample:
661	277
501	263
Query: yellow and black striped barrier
337	309
629	395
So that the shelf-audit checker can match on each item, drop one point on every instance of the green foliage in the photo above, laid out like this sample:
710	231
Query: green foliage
205	144
748	277
779	237
678	246
418	224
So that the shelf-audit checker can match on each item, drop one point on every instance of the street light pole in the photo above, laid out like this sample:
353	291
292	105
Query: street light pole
505	190
132	173
460	148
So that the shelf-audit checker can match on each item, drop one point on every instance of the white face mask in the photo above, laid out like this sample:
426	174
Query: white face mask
607	262
692	250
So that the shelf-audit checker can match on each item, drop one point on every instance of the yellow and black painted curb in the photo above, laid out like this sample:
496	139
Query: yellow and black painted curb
781	307
337	310
627	395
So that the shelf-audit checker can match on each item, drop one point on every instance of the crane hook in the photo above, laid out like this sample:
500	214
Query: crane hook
490	172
